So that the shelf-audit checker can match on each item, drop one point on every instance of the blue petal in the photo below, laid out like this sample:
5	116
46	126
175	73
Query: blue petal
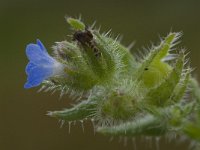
37	56
39	43
41	65
29	67
37	75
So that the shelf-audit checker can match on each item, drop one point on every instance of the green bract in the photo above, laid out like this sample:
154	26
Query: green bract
124	95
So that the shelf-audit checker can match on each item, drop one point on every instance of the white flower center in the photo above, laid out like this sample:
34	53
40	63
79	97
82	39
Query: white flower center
58	69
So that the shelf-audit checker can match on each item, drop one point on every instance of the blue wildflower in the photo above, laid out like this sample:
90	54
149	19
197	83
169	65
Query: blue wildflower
41	65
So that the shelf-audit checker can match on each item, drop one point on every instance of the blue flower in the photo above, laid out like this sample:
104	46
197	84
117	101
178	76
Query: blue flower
41	65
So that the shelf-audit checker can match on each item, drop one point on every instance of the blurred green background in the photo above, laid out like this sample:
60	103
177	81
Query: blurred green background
23	123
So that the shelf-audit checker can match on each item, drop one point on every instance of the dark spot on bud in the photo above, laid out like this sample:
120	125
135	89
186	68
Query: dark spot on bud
85	38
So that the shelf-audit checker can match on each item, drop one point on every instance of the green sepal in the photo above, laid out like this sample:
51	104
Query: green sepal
167	44
107	50
195	89
157	53
193	131
148	125
159	95
76	24
83	110
181	88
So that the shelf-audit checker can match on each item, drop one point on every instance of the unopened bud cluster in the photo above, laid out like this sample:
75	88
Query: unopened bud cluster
124	95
